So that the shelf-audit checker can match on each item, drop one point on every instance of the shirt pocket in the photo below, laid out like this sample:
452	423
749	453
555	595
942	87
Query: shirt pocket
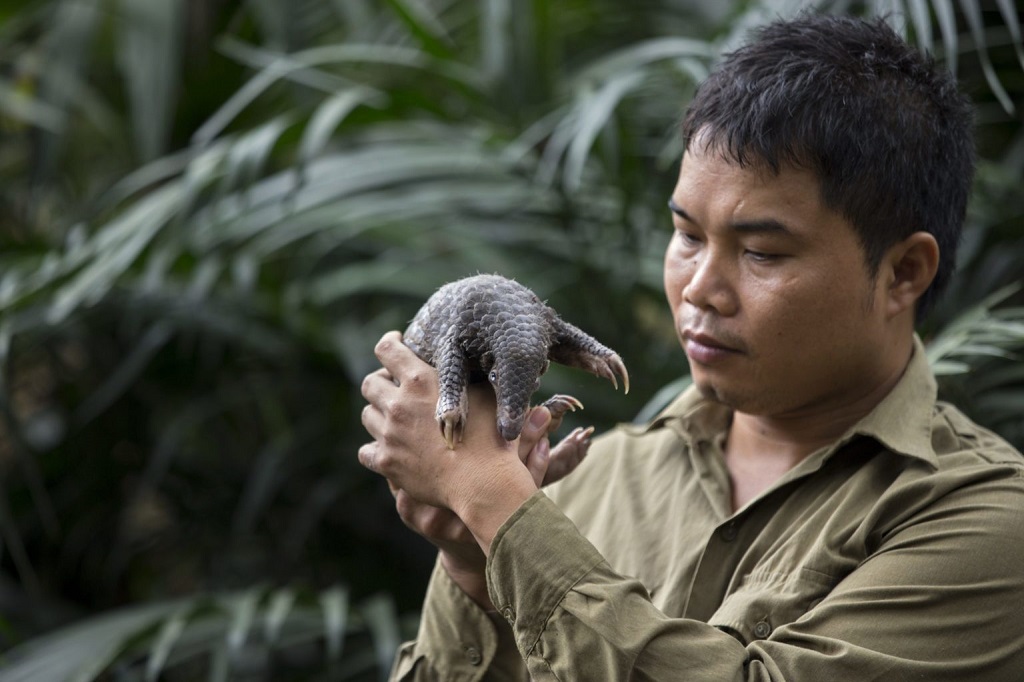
766	601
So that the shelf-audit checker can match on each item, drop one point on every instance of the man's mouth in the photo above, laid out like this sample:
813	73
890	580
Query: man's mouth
706	349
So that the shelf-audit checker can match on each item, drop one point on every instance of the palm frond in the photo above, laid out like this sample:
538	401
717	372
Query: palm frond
978	331
258	631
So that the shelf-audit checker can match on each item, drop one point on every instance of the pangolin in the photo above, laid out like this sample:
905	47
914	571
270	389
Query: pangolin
488	326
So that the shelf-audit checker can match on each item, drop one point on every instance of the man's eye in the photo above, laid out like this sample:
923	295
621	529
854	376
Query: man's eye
688	238
761	257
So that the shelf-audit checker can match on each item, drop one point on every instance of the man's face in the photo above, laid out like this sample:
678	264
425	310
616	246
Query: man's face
772	299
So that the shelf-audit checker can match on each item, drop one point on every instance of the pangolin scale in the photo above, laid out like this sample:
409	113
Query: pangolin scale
490	327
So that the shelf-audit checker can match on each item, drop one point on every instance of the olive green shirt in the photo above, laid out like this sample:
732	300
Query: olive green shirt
897	553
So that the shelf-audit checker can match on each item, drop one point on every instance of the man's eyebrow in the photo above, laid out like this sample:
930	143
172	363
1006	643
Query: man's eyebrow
678	210
769	225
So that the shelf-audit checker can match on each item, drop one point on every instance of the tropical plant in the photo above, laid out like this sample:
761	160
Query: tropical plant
273	634
214	209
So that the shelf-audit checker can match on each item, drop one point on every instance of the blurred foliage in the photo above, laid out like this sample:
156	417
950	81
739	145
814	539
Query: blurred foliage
210	212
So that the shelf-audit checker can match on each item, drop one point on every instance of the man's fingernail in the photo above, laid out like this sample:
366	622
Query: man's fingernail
538	418
544	448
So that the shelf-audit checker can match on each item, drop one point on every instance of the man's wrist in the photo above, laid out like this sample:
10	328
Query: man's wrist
488	506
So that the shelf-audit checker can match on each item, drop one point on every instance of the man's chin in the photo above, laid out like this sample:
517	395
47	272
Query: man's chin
711	391
737	401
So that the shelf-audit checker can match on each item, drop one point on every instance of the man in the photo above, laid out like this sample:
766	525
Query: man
806	511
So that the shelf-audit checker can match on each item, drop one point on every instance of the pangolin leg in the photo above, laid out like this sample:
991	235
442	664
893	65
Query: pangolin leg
574	347
453	396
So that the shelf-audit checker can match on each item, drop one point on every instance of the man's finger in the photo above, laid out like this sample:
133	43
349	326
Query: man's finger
535	429
376	384
368	457
568	454
388	345
373	421
397	358
537	461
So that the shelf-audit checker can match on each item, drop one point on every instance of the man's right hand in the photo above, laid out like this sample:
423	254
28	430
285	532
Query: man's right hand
459	553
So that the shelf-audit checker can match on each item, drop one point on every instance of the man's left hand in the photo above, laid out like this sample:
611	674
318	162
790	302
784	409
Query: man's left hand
482	480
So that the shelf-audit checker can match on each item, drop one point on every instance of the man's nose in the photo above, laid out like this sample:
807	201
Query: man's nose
711	286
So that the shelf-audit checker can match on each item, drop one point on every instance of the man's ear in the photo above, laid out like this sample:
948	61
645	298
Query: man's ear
909	268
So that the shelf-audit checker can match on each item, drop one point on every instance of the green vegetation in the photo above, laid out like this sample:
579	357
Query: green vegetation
210	211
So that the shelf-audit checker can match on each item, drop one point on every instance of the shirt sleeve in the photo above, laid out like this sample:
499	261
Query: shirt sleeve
939	600
457	641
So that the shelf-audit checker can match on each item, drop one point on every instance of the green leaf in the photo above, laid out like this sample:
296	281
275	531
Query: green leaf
637	58
496	48
243	616
592	116
274	21
17	104
949	367
972	11
167	637
947	27
249	152
279	607
80	652
283	66
1012	22
334	603
922	21
329	116
149	42
117	248
425	25
382	620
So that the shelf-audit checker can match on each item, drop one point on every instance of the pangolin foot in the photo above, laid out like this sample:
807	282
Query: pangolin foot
452	423
558	405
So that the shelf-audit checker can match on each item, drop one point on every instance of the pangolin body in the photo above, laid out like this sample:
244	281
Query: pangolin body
488	326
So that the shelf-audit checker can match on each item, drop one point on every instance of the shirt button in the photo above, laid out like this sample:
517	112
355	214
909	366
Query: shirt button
762	629
509	615
728	532
473	655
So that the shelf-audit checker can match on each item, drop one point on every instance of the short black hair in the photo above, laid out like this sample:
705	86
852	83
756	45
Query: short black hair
885	129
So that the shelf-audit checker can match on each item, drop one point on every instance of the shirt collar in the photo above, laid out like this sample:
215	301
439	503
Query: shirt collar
901	422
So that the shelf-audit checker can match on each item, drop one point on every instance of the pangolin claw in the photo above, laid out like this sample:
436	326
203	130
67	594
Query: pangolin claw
451	428
618	367
560	403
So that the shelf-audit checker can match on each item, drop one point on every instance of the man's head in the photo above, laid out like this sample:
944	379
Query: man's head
883	128
819	201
